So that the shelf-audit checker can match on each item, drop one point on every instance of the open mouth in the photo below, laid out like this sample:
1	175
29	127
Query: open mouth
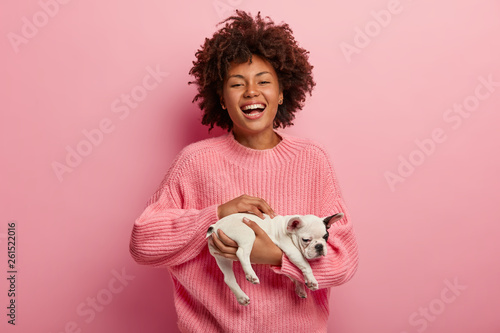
253	110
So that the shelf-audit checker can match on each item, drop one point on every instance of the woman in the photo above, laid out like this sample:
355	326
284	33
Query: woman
252	77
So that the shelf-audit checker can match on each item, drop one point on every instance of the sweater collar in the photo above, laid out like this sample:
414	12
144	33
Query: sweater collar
256	159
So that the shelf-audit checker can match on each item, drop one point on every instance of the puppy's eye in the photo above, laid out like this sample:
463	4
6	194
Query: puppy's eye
305	240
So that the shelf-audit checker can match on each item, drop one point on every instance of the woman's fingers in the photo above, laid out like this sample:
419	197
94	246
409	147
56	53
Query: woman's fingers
254	226
243	204
254	210
228	242
261	206
264	207
264	251
224	245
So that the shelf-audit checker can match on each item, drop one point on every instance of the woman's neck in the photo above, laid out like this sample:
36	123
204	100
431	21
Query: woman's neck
260	141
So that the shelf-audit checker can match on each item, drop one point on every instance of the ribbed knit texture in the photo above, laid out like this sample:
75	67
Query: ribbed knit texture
294	177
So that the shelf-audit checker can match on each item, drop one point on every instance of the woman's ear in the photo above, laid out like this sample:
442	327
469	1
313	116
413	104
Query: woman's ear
220	92
222	103
280	97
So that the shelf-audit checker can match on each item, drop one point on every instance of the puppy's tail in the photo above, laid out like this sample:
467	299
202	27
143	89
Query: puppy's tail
210	230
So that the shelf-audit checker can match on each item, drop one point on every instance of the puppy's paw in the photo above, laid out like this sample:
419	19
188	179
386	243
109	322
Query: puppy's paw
311	283
300	291
252	278
243	300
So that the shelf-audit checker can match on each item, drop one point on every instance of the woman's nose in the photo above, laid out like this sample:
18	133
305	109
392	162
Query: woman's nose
252	90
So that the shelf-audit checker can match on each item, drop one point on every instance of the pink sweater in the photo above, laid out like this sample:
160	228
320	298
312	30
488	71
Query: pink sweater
295	177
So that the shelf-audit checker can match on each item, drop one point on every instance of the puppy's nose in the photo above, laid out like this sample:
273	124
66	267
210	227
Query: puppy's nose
319	247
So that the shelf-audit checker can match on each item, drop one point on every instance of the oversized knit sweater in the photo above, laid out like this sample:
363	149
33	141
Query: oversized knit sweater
294	177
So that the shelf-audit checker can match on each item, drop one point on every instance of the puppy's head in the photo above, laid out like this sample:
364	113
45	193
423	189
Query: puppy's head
309	233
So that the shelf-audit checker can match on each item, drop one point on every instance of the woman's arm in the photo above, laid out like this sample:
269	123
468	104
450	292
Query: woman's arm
165	234
341	260
336	268
264	251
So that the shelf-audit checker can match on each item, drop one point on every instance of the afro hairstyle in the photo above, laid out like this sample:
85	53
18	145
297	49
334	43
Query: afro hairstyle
241	37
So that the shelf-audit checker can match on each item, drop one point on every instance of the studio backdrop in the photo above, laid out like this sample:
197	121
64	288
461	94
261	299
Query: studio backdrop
95	105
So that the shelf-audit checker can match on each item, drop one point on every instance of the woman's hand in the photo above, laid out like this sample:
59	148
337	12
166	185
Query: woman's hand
245	204
264	251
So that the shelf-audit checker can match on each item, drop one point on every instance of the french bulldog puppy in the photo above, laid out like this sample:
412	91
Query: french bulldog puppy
300	237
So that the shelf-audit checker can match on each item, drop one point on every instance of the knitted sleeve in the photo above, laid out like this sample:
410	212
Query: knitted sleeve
165	233
341	260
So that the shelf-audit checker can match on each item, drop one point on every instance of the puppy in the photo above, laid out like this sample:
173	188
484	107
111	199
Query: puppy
300	237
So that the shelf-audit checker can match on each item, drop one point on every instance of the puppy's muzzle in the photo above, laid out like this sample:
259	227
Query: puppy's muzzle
319	249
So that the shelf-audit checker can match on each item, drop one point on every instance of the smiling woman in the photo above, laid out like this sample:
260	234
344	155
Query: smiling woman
252	77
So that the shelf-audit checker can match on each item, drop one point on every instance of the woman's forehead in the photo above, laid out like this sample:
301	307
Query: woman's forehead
257	66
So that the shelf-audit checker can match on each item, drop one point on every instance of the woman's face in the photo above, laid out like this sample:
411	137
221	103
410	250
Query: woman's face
251	95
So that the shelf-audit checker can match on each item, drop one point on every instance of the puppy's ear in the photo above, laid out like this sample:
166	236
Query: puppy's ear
294	223
330	219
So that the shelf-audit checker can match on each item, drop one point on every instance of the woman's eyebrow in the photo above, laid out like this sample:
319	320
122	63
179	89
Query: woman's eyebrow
239	76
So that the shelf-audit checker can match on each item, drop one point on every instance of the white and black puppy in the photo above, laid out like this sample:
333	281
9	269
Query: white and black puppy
300	237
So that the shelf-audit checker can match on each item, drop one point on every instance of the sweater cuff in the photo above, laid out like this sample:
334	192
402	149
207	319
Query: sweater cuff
209	216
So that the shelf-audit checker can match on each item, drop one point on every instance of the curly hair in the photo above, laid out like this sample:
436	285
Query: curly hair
240	38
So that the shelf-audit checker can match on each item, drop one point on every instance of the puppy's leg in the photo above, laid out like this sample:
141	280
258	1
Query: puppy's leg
298	260
226	266
243	254
300	290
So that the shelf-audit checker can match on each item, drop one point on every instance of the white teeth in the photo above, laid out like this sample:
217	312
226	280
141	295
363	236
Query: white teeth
254	106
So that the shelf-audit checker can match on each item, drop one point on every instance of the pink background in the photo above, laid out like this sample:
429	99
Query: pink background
433	225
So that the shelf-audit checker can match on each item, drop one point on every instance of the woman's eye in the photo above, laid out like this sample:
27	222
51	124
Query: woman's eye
236	85
306	240
264	82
